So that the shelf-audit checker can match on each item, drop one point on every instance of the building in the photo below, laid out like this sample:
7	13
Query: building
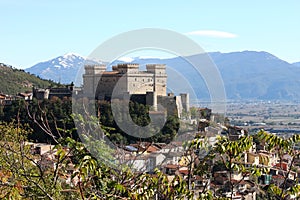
25	96
99	83
6	100
127	80
60	92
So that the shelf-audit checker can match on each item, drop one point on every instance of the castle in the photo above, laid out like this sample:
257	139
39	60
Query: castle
149	86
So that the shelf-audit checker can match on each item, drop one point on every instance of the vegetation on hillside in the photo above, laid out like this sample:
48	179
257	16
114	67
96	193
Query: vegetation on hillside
15	80
59	116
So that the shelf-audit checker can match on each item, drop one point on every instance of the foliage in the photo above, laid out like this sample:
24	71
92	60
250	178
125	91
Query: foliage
43	116
14	81
22	173
282	147
73	170
140	116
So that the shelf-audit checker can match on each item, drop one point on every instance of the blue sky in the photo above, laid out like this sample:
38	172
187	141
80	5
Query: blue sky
38	30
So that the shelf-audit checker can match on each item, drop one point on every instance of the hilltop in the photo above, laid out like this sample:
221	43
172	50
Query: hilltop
15	80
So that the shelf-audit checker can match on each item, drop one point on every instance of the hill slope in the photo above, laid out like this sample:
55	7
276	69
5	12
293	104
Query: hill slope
14	80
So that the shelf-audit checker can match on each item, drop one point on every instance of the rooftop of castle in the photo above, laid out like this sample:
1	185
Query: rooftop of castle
128	65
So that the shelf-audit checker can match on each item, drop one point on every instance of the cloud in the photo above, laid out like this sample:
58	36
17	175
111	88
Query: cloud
212	33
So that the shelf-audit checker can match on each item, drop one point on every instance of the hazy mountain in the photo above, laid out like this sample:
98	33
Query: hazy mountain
246	75
62	69
297	64
261	75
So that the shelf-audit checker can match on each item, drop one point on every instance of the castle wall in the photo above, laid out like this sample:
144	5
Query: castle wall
151	83
170	104
99	83
140	83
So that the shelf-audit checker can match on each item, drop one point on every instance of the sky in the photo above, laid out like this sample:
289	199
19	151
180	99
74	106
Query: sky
38	30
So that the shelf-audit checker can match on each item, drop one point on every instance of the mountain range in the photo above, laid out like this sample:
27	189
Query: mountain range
62	69
246	74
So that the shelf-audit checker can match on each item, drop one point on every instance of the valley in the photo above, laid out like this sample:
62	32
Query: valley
274	116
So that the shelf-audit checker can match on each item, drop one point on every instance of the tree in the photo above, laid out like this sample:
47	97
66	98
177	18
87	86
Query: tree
283	148
22	174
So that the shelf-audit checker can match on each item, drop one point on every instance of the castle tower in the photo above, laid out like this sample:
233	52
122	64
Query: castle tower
94	69
130	68
151	99
159	78
185	99
90	78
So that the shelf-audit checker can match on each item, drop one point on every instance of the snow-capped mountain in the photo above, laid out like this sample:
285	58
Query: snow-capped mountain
61	69
246	75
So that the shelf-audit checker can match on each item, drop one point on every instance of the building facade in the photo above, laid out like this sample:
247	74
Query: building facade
99	83
148	86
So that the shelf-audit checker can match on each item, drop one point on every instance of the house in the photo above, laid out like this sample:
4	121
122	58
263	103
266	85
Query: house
60	92
173	147
252	158
220	177
236	133
200	182
39	148
145	162
6	99
25	96
2	99
145	147
155	161
173	157
267	158
170	169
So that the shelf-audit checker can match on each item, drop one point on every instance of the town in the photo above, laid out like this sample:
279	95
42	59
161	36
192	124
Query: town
209	155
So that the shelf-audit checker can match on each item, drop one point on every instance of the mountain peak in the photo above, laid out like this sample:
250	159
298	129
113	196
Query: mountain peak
66	65
72	55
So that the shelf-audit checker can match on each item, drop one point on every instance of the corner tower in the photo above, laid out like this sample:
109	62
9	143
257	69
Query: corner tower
91	78
159	78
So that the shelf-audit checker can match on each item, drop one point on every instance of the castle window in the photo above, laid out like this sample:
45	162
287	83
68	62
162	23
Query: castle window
135	79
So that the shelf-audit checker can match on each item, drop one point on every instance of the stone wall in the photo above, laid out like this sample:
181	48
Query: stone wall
99	82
